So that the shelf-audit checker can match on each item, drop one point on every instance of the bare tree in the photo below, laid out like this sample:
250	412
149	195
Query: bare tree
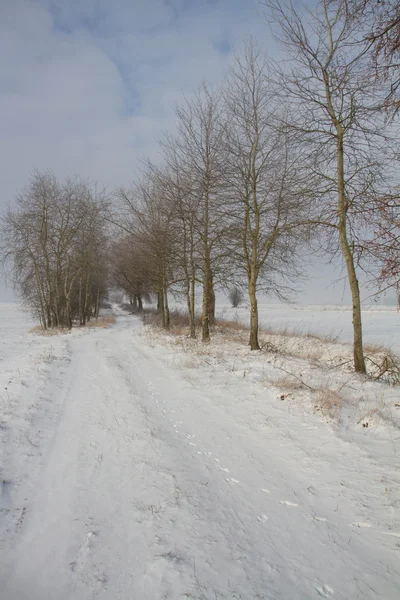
133	269
379	23
384	247
200	147
235	296
331	102
150	218
179	191
54	236
264	178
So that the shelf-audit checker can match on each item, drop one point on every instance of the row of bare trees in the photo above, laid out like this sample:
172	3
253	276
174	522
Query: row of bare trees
226	204
54	238
282	159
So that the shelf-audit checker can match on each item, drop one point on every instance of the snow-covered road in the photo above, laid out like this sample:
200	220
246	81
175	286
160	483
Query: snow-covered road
146	487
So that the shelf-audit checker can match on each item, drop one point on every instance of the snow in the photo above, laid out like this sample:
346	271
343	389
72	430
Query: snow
139	465
381	324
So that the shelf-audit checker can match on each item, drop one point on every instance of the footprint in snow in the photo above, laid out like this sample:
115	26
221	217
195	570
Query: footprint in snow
232	480
393	533
265	491
325	591
262	518
360	524
192	444
225	470
287	503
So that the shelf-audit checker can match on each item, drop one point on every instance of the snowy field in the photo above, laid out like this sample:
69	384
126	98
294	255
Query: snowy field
381	324
135	465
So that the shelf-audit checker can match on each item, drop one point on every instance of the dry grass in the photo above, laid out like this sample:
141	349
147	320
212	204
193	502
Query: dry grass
285	384
384	366
298	333
231	325
306	346
328	402
102	322
179	321
375	349
289	384
271	341
38	330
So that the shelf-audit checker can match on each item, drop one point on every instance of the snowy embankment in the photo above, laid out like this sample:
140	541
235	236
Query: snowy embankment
139	465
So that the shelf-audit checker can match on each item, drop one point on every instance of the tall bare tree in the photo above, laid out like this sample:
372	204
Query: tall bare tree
379	22
133	269
150	219
331	102
179	191
264	177
53	236
200	147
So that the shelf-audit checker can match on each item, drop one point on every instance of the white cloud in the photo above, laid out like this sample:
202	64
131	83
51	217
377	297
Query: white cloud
86	86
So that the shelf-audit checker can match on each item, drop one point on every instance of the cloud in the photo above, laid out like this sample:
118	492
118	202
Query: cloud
87	86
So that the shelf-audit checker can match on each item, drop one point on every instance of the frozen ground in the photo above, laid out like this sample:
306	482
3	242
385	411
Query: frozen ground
138	467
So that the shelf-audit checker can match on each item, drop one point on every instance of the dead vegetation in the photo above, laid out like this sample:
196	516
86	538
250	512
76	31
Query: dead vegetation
305	370
179	321
384	367
326	401
317	350
38	330
103	321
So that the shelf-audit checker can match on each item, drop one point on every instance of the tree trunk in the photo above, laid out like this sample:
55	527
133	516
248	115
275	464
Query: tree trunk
358	352
86	312
192	285
41	298
193	306
68	312
189	304
205	323
139	303
97	305
188	268
81	307
253	341
205	326
190	299
160	307
211	301
166	319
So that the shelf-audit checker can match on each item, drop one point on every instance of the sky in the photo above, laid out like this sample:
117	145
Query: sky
87	86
